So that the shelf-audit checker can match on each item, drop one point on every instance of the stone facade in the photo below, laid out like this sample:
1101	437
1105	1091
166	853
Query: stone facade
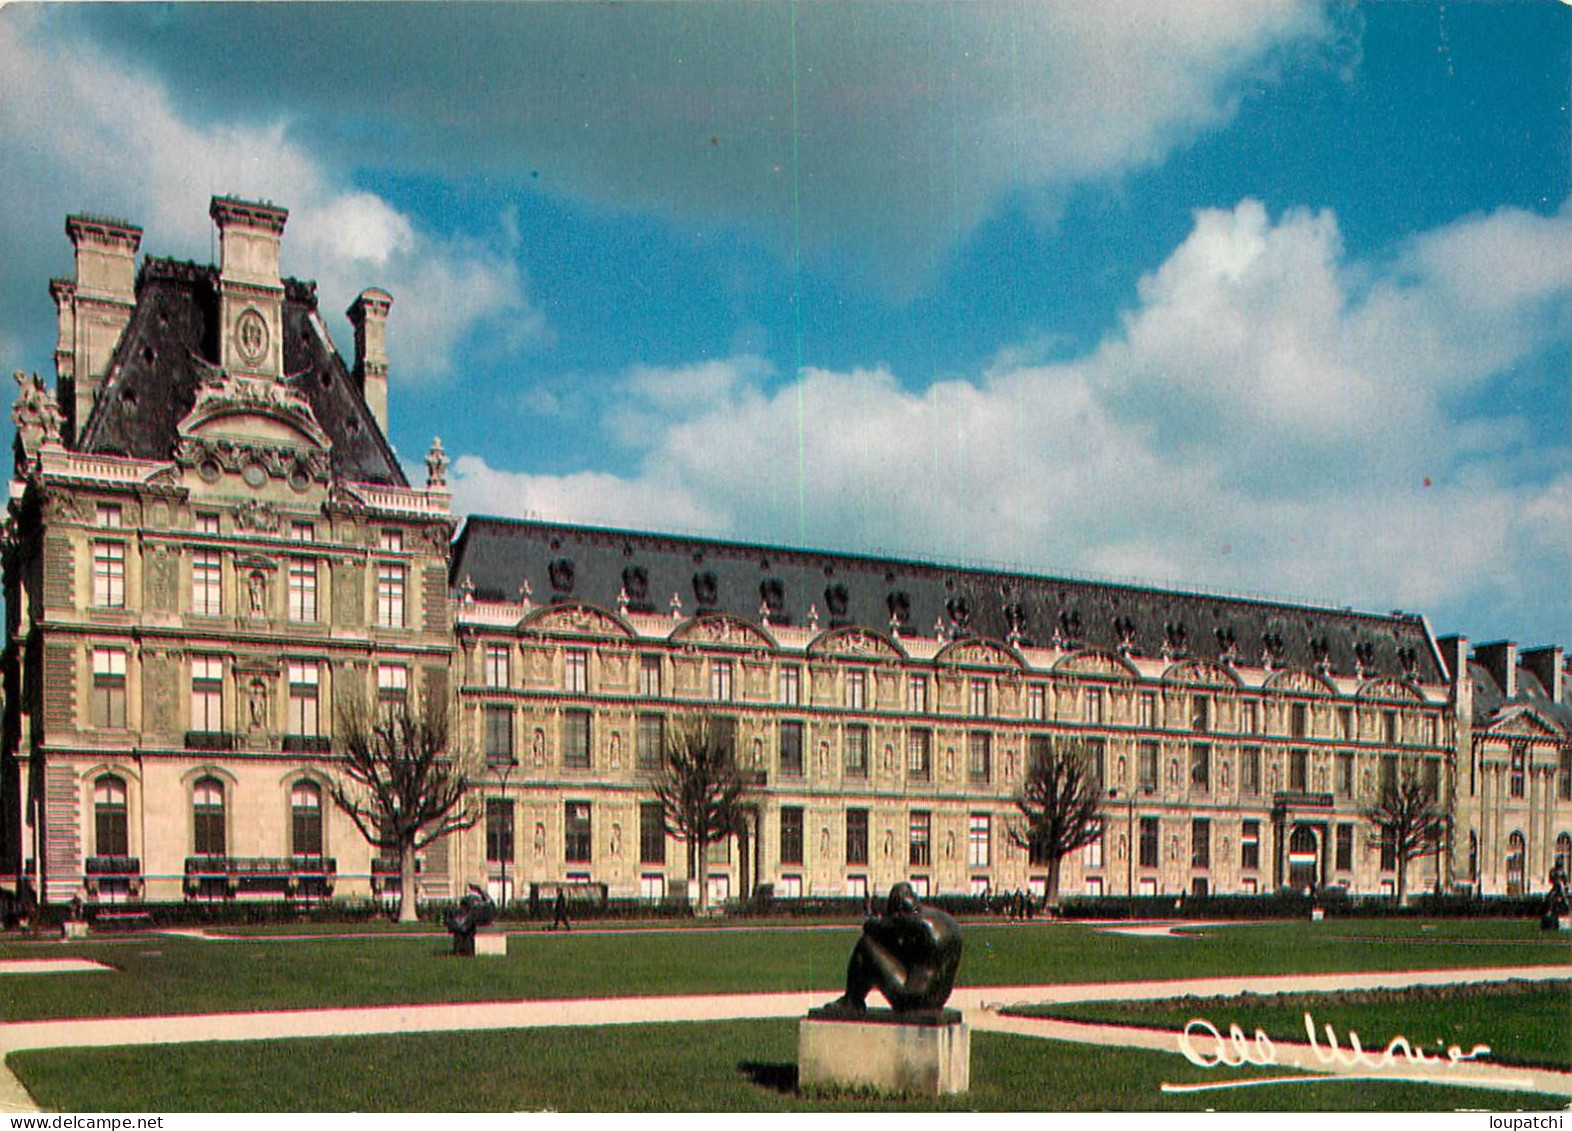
210	544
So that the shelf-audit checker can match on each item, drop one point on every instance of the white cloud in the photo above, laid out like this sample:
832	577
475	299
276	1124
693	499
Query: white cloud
85	133
1259	422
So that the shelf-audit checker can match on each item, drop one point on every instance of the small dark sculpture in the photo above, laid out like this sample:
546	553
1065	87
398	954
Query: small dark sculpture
474	911
910	954
1556	906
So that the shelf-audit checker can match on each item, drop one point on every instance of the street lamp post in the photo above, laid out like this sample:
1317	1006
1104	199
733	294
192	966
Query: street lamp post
502	769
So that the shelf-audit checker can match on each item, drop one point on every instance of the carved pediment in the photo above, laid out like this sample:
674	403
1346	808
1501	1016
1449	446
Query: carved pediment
855	642
1299	680
1387	689
979	652
722	628
1095	663
576	618
1203	673
238	422
1522	720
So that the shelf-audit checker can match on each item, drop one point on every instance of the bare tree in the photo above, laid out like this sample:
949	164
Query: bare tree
1060	805
1409	821
701	791
399	782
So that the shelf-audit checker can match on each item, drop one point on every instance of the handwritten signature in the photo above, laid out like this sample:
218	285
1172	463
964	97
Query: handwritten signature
1236	1050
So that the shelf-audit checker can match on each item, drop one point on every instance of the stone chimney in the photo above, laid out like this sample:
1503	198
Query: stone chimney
1549	667
251	294
1500	660
92	311
369	315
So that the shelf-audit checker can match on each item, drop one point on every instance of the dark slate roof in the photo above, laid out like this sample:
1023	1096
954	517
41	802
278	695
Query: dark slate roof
1490	702
173	331
590	564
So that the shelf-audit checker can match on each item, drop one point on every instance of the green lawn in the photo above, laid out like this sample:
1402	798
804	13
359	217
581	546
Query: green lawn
733	1066
1522	1023
156	974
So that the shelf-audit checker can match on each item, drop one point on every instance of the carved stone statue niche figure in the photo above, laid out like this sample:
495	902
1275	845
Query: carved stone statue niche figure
540	839
256	705
256	585
910	954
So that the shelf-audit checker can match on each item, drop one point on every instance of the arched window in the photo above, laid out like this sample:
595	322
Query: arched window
1514	864
110	836
305	813
1564	853
207	817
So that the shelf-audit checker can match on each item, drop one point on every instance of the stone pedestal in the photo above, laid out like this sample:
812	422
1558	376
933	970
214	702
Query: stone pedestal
73	929
491	946
926	1053
1317	915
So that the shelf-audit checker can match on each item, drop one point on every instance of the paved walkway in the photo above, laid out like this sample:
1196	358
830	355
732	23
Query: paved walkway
981	1005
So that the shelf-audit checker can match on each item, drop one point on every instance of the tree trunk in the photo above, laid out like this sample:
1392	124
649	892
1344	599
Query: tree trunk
1402	880
406	885
1051	899
701	867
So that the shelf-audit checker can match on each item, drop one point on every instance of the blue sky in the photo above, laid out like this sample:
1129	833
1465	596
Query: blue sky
1269	297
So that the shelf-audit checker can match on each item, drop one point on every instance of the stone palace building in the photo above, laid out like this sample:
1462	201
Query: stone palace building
210	542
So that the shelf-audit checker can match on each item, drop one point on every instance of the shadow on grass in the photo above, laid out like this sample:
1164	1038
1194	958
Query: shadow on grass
780	1078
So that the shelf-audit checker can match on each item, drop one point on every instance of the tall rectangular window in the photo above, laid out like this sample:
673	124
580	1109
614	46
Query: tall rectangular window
856	690
917	694
302	532
1200	713
1517	769
649	677
391	541
303	714
575	671
790	684
392	686
1092	853
107	514
920	839
302	589
494	669
390	595
1200	843
1250	717
1036	702
1146	710
207	694
1149	836
979	840
577	842
1250	846
1345	773
856	836
207	583
856	759
1389	727
791	834
979	698
1564	775
1094	706
720	680
1250	770
652	833
499	831
1345	723
1344	861
1299	770
576	739
979	756
109	575
498	722
1388	849
1200	767
919	754
207	817
651	741
109	688
1298	720
791	749
206	523
111	829
1146	766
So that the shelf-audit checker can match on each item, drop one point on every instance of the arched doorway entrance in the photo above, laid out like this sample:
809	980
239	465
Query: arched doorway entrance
1304	858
